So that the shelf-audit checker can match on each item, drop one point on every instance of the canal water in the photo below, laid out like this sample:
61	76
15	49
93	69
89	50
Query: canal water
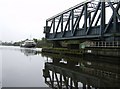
27	67
21	67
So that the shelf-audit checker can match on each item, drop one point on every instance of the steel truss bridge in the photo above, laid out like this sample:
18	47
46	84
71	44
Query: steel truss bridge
89	20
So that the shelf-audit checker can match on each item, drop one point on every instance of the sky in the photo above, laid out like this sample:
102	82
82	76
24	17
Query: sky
25	19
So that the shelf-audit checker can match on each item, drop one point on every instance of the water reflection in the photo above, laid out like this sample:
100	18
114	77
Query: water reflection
18	70
29	52
62	72
59	71
0	70
26	51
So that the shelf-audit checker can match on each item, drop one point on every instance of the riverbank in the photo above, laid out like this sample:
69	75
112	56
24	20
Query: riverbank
63	51
110	51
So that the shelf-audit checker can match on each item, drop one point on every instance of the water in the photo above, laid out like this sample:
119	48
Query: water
26	67
88	72
0	70
21	67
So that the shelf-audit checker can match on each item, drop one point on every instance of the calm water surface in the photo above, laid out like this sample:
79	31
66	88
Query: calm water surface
21	67
26	67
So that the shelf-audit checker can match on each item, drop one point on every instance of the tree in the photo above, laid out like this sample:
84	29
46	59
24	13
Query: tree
35	40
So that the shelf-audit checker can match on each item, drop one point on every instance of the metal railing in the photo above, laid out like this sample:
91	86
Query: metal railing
104	44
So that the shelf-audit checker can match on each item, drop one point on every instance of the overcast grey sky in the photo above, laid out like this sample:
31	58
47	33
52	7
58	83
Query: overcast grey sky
20	19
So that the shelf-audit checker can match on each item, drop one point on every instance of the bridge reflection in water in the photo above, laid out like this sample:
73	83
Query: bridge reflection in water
62	72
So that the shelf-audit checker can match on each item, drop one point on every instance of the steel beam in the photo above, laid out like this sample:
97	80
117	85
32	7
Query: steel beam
66	25
89	17
87	32
85	17
57	27
98	19
69	22
102	24
54	25
72	21
78	21
62	23
115	16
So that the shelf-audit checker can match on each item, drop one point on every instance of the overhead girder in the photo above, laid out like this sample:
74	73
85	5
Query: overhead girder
77	7
81	19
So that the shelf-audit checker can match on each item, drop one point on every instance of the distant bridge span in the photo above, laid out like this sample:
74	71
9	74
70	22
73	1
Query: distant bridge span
88	20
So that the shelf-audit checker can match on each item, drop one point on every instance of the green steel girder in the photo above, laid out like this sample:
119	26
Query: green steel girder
80	20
